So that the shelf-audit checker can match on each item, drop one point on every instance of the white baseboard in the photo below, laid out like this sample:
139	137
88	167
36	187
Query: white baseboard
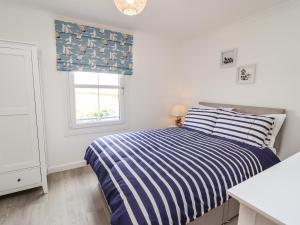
67	166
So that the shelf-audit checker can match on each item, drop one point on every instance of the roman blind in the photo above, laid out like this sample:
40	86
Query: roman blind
90	49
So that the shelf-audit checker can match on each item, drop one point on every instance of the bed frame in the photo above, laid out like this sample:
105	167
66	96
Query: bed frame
228	212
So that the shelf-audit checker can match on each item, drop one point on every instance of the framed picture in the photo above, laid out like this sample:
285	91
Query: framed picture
228	58
246	74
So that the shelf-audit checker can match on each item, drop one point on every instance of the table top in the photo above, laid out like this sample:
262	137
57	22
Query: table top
274	193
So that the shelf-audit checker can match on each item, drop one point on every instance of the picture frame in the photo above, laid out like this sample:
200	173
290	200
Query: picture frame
229	58
246	74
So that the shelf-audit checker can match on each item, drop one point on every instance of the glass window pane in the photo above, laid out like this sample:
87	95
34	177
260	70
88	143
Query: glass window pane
109	103
92	104
86	78
108	79
86	102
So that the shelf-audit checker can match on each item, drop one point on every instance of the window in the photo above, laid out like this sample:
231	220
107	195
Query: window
95	99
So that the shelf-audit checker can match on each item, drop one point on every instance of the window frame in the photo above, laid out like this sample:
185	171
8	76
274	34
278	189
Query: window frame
72	104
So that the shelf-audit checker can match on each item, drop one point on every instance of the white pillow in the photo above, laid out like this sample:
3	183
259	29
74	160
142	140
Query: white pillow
209	107
279	120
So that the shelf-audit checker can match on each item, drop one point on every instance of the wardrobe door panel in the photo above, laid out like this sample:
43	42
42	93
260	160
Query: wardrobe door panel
18	127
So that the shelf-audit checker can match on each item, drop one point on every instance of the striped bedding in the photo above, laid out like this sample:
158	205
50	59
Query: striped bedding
170	176
203	120
251	129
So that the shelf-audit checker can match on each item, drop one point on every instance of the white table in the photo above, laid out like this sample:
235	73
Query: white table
271	197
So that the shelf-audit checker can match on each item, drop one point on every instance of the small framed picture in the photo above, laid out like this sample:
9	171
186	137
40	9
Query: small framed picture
246	74
228	58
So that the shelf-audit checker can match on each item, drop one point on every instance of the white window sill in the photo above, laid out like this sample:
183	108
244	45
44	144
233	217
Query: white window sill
103	123
101	128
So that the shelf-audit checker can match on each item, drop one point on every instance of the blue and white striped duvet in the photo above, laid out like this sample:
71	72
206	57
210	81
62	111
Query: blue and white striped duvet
170	176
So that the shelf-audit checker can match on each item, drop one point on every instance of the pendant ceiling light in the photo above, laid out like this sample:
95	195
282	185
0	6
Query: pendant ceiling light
130	7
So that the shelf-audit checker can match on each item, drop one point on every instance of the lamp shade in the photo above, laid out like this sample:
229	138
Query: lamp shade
130	7
178	110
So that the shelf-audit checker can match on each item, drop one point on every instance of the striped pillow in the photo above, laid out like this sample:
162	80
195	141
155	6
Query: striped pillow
278	122
201	119
246	128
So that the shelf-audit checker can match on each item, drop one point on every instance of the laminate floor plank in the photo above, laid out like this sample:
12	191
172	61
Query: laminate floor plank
73	199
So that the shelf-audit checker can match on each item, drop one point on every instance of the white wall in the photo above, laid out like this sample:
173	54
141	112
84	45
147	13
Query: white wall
151	89
272	40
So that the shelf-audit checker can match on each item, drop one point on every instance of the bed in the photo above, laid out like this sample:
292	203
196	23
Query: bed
175	175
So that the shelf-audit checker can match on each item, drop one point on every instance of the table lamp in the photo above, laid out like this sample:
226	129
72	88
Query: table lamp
178	111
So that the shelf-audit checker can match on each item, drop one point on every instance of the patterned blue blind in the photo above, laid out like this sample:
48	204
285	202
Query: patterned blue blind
89	49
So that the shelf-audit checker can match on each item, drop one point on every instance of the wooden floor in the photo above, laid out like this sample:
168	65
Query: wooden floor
73	199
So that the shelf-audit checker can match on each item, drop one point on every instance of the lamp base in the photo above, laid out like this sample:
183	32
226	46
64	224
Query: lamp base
178	122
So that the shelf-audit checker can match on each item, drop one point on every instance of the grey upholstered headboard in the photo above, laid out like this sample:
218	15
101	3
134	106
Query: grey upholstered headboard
253	110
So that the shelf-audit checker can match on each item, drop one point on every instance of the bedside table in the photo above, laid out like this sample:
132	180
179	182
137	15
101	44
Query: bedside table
271	197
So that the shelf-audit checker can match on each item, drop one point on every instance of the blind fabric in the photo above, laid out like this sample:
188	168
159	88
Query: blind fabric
89	49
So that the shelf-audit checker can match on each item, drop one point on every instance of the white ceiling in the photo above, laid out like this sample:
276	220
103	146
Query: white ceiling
179	18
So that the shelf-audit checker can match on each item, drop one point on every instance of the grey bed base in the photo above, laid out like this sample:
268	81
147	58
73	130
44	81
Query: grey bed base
228	212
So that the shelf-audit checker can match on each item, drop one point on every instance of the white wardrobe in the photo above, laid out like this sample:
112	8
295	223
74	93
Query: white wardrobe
22	144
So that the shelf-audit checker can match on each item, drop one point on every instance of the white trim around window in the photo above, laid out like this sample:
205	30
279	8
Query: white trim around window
105	125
